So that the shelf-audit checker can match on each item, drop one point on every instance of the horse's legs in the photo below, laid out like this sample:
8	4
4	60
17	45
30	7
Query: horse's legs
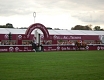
84	48
78	48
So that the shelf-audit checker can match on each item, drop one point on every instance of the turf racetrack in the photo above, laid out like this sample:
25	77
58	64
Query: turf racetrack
65	65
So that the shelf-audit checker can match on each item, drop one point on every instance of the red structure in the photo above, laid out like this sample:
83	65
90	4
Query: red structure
53	42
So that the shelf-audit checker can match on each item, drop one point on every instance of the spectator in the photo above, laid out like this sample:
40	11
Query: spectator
33	46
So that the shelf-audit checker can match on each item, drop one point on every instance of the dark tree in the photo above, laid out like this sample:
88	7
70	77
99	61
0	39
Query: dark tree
48	27
97	28
80	27
9	25
2	26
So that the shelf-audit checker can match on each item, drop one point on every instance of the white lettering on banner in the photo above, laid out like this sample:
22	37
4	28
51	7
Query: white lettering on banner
102	48
75	37
26	48
63	48
3	49
49	47
45	50
6	36
11	49
16	49
48	50
53	49
20	50
82	48
68	48
20	36
74	48
58	48
98	48
55	37
66	37
87	47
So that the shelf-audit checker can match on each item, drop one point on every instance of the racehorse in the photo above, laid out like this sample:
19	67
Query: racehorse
80	45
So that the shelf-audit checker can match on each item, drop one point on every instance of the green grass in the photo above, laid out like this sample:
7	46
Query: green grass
68	65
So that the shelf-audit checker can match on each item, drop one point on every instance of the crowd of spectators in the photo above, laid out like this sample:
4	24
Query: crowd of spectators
72	42
26	42
7	42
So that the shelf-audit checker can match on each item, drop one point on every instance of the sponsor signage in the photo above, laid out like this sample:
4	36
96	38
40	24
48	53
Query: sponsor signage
23	48
67	37
39	26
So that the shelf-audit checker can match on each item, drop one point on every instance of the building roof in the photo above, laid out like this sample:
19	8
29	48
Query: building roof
52	32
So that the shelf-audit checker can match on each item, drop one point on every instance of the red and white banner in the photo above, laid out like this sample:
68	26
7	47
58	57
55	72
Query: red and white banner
26	48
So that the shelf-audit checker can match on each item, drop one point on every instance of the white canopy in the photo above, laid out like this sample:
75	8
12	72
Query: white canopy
52	32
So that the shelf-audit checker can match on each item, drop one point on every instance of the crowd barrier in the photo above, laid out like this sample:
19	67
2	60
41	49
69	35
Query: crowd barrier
46	48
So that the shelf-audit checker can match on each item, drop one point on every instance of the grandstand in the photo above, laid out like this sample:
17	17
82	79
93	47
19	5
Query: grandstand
53	39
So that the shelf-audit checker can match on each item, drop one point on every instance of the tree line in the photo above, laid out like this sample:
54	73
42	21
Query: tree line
87	27
77	27
8	25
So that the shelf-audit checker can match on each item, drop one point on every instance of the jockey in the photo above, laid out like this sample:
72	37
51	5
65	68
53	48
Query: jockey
80	42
